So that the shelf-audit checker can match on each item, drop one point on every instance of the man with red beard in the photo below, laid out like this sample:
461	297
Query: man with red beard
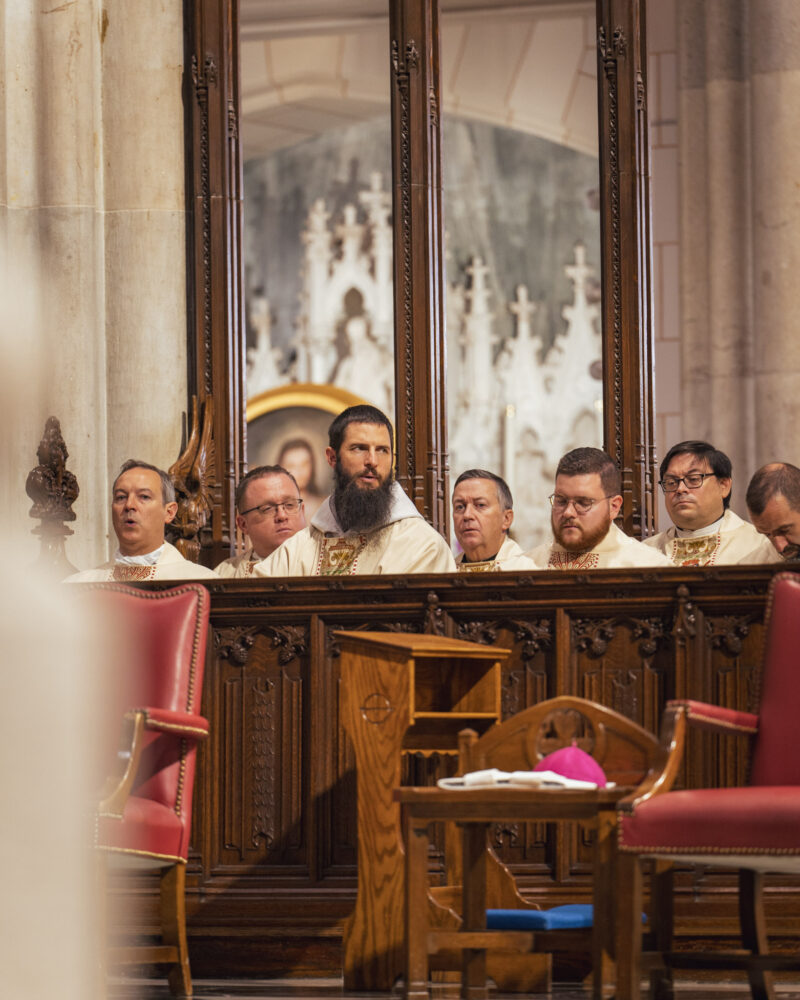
368	524
585	502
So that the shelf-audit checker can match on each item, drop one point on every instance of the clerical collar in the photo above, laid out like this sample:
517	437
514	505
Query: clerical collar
474	562
148	559
709	529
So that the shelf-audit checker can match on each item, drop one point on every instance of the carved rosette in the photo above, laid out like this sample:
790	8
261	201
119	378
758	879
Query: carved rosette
234	644
592	635
652	632
291	641
729	632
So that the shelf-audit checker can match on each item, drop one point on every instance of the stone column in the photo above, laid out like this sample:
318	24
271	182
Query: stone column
740	221
91	202
774	34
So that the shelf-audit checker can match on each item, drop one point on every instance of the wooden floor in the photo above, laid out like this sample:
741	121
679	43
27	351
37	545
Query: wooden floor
331	989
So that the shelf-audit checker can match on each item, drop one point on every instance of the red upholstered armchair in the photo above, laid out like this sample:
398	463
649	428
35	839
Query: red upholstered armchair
144	818
754	828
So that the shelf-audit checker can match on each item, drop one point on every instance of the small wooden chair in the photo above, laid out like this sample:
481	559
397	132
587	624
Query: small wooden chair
630	757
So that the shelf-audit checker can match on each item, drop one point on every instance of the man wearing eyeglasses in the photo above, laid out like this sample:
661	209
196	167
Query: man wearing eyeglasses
368	524
585	502
269	510
696	480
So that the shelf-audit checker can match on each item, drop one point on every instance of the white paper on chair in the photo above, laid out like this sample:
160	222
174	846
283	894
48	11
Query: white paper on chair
533	779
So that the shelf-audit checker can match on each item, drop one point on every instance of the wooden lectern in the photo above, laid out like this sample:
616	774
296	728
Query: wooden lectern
401	692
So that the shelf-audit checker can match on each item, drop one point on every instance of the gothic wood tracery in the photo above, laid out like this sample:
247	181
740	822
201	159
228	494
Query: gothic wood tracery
215	296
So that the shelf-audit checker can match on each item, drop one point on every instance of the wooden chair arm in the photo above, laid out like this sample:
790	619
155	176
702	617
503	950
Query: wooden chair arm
119	784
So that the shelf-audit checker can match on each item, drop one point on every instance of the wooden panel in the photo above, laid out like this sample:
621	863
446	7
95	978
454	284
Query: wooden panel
274	842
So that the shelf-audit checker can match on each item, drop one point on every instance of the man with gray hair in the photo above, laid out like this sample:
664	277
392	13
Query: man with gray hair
482	514
142	505
773	500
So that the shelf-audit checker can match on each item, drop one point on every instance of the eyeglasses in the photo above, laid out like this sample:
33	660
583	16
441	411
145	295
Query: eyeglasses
582	505
669	484
271	509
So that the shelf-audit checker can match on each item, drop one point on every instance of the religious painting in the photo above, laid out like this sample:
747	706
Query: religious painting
288	426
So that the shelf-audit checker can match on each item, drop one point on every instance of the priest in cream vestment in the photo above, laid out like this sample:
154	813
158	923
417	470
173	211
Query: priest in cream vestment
584	504
269	510
482	514
368	524
696	480
142	505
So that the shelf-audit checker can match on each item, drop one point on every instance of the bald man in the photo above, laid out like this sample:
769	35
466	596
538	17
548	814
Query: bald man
773	500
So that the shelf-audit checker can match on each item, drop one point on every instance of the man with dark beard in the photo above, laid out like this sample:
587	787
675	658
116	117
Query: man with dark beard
368	524
585	502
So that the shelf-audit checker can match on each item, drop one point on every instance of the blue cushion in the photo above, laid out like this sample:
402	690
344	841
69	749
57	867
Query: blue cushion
556	918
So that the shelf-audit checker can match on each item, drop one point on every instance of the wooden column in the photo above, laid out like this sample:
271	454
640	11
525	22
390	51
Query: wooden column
214	275
625	236
421	416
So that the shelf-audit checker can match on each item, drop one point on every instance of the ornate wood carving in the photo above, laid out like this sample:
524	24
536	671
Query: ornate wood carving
421	419
625	234
53	489
728	632
652	632
274	831
214	273
234	644
592	635
190	475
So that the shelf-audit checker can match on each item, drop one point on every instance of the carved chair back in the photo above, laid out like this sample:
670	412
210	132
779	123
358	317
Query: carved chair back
626	752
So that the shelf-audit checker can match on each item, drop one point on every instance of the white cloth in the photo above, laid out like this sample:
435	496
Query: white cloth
170	566
726	541
405	544
239	567
510	557
616	551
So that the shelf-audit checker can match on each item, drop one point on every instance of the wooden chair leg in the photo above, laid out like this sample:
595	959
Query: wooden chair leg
173	927
628	928
101	916
662	897
754	930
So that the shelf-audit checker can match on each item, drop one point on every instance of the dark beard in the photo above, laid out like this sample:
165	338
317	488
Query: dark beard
357	509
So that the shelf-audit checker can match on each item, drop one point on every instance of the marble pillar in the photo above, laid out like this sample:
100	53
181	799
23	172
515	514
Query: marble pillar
92	218
774	32
740	228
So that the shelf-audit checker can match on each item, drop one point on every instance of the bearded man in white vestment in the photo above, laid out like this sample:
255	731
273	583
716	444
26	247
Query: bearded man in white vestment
368	524
585	502
482	514
696	480
142	505
773	502
269	509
